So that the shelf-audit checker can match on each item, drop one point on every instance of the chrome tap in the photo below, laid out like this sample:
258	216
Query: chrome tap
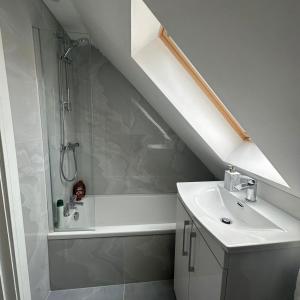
250	185
72	204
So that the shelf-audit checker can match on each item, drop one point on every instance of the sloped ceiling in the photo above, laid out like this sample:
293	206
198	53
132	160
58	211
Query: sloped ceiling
108	23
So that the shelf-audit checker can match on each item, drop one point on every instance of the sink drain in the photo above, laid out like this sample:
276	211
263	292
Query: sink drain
226	221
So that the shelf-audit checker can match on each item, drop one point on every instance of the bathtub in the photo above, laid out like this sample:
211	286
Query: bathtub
119	215
133	241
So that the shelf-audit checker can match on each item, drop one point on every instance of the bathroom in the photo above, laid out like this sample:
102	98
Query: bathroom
149	150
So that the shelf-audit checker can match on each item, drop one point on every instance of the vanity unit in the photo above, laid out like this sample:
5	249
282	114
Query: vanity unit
229	249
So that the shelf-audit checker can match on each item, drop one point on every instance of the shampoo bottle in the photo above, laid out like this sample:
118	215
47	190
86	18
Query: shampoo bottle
60	213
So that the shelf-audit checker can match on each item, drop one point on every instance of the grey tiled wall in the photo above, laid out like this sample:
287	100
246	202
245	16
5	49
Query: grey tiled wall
78	263
126	147
16	20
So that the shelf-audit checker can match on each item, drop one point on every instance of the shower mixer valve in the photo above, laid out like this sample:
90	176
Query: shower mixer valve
69	146
67	106
72	205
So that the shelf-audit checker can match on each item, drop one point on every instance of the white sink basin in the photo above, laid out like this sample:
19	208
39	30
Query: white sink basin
218	203
252	224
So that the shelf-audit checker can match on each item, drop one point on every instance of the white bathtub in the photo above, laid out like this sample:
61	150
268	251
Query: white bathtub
123	215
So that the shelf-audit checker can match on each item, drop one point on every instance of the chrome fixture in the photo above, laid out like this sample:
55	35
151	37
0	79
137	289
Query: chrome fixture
226	221
65	82
191	268
64	149
185	224
250	185
74	44
76	216
72	204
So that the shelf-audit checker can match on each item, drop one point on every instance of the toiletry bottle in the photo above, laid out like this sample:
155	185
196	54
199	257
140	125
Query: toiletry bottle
60	213
231	178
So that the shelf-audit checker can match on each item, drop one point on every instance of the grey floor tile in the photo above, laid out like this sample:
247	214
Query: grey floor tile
111	292
153	290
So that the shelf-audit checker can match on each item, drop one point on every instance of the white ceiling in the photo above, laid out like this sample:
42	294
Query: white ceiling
67	16
246	51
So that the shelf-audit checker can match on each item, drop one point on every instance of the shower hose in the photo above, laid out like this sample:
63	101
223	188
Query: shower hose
64	150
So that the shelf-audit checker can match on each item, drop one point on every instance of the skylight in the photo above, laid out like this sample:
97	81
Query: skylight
211	95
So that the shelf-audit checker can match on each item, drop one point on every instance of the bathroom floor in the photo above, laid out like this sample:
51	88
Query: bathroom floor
153	290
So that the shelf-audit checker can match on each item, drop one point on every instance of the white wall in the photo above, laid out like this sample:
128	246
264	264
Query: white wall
287	202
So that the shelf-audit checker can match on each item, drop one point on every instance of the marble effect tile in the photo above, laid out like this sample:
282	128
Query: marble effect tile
114	292
125	146
85	262
80	263
16	20
137	145
148	258
158	290
49	49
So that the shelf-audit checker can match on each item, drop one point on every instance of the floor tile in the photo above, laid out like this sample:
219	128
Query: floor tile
153	290
111	292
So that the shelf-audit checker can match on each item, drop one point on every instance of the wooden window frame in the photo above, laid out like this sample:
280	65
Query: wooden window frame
183	60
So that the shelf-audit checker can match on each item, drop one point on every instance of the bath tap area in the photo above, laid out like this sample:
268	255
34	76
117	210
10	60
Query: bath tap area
149	150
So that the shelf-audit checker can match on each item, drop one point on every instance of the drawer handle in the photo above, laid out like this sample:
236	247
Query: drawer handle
193	236
186	223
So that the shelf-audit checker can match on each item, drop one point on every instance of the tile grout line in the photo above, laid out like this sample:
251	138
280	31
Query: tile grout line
124	289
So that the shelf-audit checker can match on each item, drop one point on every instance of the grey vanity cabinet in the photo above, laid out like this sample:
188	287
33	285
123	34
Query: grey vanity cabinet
205	271
206	274
198	274
181	272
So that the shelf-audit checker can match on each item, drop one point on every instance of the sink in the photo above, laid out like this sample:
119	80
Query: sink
245	224
218	204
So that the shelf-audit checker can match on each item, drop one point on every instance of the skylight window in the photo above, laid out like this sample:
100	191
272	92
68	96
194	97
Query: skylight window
211	95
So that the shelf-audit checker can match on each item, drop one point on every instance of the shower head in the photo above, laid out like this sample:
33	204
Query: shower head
74	44
80	42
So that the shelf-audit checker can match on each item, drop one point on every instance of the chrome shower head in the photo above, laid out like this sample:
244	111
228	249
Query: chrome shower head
74	44
81	42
